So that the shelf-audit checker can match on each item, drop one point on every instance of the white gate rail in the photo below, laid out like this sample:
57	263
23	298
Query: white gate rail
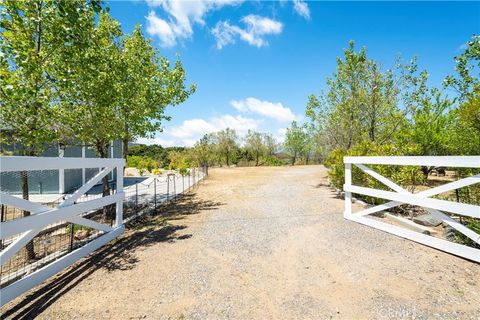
41	216
402	196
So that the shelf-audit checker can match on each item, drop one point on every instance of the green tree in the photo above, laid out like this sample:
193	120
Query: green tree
467	80
148	85
465	131
295	141
91	89
31	34
271	144
203	153
429	120
313	143
361	102
227	144
255	145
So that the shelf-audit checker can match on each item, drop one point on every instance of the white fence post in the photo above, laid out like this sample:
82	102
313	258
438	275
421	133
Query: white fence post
348	195
119	204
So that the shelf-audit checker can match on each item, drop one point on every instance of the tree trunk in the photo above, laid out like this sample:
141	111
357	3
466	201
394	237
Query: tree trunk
227	158
294	158
371	132
102	152
125	152
24	174
256	159
25	194
426	171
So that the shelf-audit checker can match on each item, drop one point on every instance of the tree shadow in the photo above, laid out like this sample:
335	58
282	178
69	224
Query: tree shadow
187	204
118	255
321	185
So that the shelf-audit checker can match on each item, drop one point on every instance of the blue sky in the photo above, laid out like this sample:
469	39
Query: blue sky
256	62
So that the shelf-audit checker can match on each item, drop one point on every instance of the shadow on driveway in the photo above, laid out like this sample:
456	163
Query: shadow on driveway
117	255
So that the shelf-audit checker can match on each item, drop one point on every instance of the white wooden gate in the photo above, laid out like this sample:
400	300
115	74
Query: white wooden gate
24	229
423	199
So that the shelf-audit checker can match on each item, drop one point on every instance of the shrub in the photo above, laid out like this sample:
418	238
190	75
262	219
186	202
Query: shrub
273	161
473	224
133	161
183	170
406	176
471	195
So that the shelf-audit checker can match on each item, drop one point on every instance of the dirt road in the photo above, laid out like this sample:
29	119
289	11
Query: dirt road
260	243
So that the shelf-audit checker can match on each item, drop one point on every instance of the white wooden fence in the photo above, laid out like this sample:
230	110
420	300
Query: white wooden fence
26	228
423	199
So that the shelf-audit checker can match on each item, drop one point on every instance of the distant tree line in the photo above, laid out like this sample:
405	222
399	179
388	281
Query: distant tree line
222	148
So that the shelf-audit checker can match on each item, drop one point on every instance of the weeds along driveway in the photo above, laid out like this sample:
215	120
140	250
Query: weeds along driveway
259	243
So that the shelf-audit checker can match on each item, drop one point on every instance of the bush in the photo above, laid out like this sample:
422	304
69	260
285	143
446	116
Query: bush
157	172
273	161
336	168
142	163
470	195
183	170
132	161
406	176
472	224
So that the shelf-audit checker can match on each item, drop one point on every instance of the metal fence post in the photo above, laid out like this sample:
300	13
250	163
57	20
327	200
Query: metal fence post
168	186
72	235
136	194
175	187
155	192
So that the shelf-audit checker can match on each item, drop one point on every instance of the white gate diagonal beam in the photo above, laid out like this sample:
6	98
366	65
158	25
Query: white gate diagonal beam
43	219
41	216
434	191
423	199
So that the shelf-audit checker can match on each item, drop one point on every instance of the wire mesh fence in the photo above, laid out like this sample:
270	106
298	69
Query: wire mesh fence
143	195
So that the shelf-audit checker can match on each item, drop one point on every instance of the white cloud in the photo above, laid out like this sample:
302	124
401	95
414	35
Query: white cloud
162	29
301	7
192	130
280	136
265	108
181	16
256	28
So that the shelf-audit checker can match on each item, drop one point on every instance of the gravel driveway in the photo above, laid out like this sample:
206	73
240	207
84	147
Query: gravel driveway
259	243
